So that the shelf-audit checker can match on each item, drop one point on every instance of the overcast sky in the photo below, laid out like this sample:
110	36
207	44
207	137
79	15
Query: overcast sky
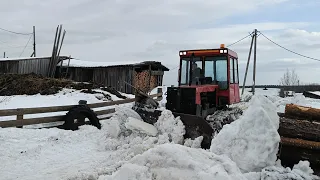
138	30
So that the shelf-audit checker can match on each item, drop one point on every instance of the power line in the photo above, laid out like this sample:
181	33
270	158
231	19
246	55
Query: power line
289	49
9	47
15	32
174	68
239	40
25	45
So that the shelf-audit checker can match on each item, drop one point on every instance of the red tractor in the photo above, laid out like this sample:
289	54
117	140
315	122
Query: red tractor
208	83
208	79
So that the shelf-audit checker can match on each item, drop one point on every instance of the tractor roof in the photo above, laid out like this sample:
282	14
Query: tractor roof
208	52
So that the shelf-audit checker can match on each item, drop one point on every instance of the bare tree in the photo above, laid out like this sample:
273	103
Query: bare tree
290	78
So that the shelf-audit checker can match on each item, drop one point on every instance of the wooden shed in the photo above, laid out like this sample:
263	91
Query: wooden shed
26	65
143	75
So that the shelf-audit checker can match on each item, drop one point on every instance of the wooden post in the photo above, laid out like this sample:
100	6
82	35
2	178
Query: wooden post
68	67
34	41
248	62
52	57
55	60
159	91
60	68
4	54
64	33
149	83
254	62
19	119
58	55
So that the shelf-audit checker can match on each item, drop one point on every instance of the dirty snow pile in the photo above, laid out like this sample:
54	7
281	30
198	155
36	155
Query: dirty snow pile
245	149
172	161
251	141
128	148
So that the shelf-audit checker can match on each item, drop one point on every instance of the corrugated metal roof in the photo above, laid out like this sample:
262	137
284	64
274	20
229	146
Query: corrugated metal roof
96	64
81	63
30	58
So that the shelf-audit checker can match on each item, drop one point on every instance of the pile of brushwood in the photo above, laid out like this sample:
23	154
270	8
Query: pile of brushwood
31	84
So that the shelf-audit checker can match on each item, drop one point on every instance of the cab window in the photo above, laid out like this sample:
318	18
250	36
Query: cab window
231	70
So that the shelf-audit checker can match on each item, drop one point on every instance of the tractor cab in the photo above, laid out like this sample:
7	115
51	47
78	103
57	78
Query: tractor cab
208	78
208	67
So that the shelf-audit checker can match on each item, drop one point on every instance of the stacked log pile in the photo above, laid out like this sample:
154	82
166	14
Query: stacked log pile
300	135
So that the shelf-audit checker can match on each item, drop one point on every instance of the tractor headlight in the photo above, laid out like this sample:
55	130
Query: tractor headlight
180	53
184	53
223	51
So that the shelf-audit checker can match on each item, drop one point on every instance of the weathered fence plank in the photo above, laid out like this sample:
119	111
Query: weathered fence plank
24	111
106	111
20	121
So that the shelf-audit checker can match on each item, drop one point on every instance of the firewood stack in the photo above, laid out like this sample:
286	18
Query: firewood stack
300	135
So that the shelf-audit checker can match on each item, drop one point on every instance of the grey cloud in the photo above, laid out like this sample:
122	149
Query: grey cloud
103	30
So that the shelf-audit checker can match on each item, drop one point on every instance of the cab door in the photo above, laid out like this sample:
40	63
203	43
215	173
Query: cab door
231	80
234	94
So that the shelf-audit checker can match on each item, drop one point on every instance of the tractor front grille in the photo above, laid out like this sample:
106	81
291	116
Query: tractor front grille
181	100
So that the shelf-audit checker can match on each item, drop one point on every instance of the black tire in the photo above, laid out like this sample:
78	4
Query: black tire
80	112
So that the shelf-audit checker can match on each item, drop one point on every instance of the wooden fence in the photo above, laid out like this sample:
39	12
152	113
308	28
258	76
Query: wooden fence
21	121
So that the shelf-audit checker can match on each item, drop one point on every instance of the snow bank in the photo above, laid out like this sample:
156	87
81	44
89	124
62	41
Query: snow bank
83	154
298	99
172	161
163	102
247	95
140	126
300	171
196	143
251	141
170	126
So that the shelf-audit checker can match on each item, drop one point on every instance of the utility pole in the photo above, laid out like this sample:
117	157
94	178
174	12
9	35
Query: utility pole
34	41
249	56
254	62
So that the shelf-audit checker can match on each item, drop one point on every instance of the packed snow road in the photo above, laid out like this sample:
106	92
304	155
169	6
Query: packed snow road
127	148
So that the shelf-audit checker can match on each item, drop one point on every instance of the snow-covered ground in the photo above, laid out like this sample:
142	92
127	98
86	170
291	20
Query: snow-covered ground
127	148
273	95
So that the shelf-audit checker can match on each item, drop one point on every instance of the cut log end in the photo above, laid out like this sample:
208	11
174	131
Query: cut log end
308	113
